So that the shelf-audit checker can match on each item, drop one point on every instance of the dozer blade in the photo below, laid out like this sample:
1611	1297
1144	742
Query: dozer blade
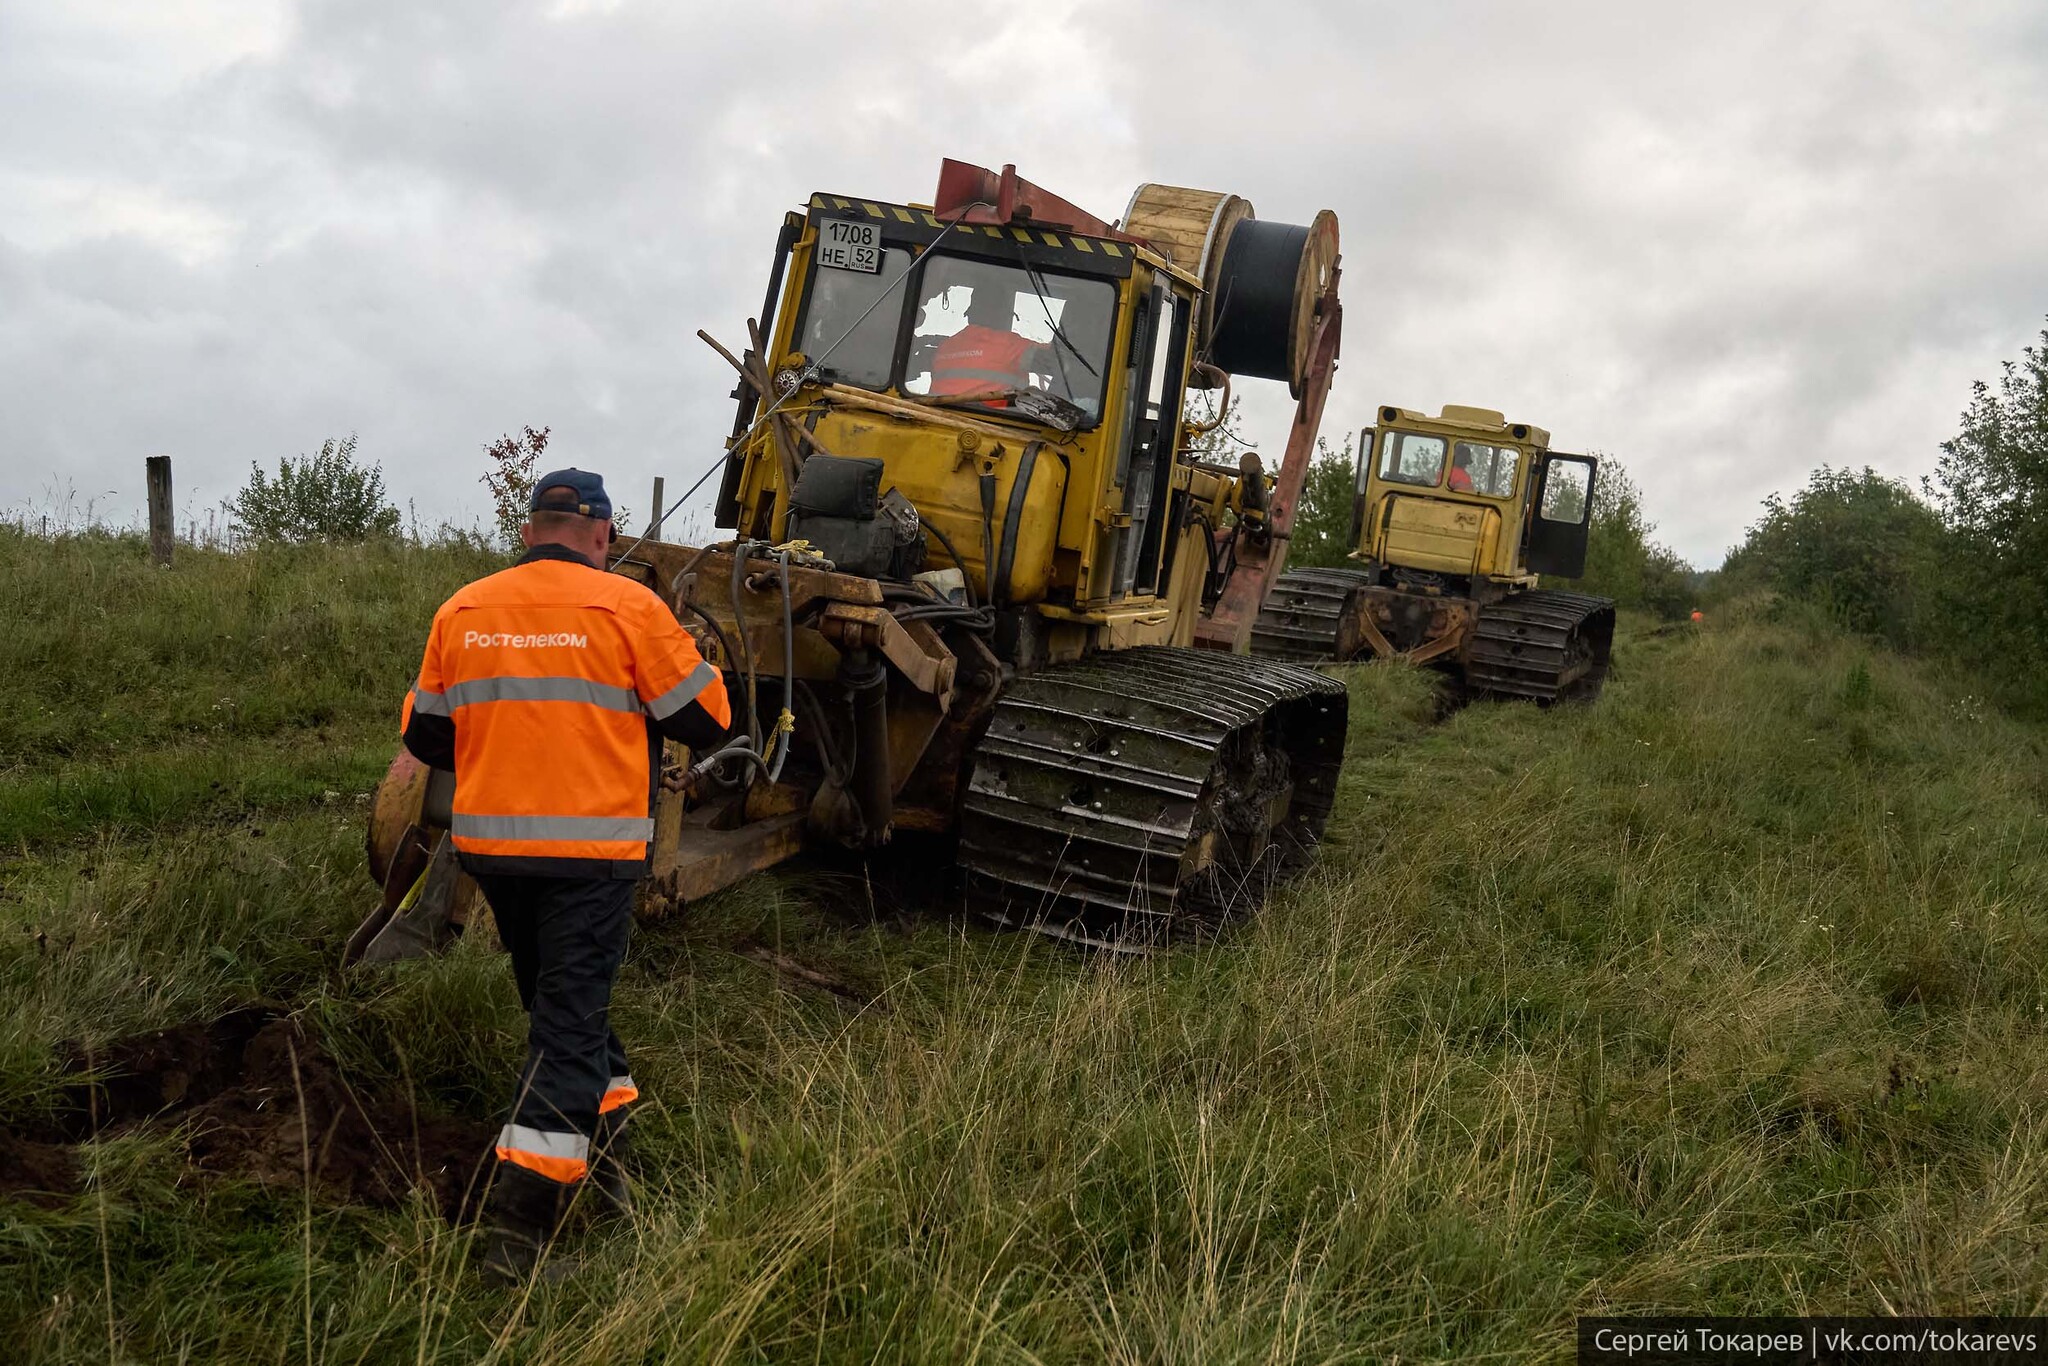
422	921
427	899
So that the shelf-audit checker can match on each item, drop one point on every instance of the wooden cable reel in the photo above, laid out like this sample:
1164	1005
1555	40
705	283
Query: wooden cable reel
1261	281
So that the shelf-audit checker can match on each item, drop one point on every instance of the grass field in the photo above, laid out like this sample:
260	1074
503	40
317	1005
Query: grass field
1727	994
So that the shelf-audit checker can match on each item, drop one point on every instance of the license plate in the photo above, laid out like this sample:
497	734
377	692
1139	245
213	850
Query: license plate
845	245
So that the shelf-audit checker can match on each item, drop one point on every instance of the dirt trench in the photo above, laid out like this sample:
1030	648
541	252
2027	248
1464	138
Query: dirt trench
256	1098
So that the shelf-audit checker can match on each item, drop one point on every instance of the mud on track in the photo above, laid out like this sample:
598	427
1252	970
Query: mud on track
257	1099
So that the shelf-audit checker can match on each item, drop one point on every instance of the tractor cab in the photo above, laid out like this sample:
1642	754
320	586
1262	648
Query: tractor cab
1014	378
1471	496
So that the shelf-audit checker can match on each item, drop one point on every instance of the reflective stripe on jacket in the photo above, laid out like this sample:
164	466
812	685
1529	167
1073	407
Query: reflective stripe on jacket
552	676
978	357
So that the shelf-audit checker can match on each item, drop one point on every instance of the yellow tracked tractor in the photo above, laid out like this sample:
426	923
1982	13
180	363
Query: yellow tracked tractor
1455	516
979	586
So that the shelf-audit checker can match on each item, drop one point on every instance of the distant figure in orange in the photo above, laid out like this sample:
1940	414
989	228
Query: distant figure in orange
1698	616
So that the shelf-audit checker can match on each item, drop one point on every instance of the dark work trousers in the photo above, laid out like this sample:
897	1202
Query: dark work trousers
566	937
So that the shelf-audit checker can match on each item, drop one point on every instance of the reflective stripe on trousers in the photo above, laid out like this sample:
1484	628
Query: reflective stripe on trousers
563	1157
619	1092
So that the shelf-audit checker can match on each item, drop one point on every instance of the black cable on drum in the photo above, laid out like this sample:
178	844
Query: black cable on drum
1254	334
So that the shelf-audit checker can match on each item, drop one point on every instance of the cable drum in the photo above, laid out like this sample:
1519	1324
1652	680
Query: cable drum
1261	281
1272	278
1190	228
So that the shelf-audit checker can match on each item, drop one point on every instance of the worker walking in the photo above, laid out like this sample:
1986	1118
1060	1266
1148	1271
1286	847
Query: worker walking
547	688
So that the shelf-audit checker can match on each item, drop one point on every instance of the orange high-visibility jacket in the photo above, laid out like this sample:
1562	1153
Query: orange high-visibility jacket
546	687
978	357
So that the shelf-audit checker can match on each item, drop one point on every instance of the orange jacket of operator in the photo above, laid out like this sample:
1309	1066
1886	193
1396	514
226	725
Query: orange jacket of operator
978	357
558	680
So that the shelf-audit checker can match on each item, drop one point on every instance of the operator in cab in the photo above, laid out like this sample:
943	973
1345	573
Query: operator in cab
1461	470
986	353
547	688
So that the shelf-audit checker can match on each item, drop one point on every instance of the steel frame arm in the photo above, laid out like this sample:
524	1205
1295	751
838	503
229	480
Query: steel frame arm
1228	626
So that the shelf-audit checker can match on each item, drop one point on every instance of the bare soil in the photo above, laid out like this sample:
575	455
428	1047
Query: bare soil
256	1098
40	1173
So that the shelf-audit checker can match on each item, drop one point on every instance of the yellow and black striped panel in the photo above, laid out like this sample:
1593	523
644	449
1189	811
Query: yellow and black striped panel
904	223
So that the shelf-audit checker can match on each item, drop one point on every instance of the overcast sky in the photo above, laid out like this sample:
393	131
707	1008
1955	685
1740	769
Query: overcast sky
1723	242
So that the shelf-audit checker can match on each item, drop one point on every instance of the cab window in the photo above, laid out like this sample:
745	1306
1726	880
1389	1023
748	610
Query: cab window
1490	469
1412	458
1564	490
1036	330
850	320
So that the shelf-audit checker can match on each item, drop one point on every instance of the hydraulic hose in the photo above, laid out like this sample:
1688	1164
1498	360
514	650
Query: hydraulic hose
785	724
742	748
734	587
988	536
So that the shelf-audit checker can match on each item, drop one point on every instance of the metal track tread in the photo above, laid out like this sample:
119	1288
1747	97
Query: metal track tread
1138	796
1544	645
1303	613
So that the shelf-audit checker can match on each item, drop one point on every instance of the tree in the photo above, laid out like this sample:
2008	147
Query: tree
322	497
1991	486
1322	534
514	461
1857	543
1223	434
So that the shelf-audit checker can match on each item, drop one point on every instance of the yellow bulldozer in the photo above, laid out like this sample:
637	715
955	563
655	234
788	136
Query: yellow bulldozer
979	586
1454	518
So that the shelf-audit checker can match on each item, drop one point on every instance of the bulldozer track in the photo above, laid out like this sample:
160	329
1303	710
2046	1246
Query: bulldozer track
1544	645
1137	797
1304	612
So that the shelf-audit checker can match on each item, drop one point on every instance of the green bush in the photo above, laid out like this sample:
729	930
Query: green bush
1959	568
1991	486
1323	535
321	497
1859	544
1622	562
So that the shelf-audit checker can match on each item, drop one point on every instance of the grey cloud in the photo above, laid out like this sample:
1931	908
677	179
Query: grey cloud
1724	243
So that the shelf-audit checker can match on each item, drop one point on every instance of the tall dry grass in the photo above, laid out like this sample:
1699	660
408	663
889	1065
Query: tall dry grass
1725	994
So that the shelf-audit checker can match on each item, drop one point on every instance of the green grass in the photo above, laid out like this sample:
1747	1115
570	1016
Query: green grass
1726	994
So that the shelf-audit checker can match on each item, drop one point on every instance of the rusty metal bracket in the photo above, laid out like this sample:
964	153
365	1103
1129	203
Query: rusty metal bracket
1442	645
707	858
915	649
1382	648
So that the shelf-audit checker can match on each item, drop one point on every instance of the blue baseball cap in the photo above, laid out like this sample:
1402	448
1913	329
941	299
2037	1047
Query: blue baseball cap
590	499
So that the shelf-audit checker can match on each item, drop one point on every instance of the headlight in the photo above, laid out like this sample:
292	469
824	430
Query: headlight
787	379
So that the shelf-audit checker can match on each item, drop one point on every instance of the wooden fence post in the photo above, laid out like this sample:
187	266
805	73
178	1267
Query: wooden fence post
162	534
654	526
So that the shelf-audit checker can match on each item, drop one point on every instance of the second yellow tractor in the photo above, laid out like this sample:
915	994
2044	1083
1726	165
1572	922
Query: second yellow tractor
1455	516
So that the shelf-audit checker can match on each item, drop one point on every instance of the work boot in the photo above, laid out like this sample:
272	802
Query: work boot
611	1153
521	1215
